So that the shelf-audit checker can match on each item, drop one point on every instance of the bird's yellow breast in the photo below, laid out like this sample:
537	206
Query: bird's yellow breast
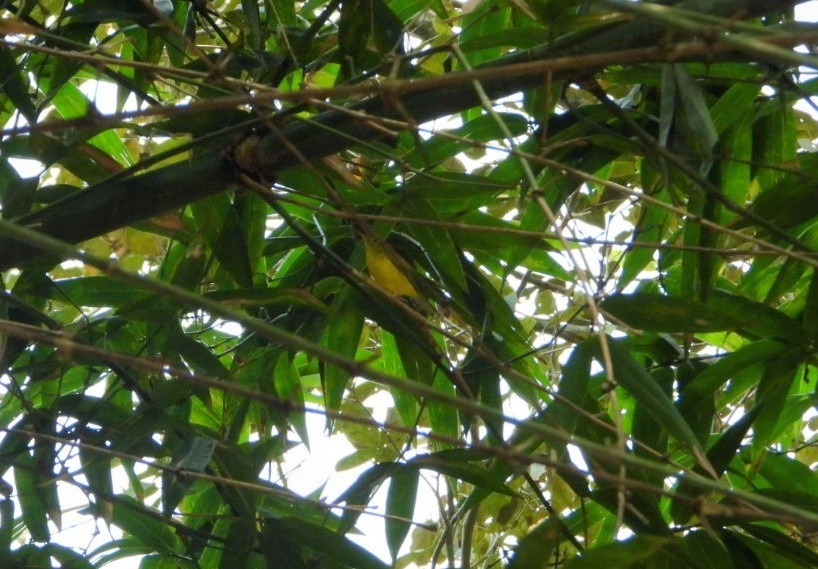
384	272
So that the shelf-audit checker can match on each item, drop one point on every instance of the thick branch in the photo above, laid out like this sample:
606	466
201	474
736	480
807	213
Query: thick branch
113	204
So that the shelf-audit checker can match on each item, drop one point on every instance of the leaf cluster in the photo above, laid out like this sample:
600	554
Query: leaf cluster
602	219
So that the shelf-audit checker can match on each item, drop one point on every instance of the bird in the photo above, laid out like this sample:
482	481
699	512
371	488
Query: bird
383	270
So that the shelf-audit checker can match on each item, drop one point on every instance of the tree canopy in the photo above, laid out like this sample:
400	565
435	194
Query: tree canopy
553	260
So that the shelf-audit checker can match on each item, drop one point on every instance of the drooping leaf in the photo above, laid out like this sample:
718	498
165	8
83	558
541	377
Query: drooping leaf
33	506
400	507
653	399
193	455
14	85
360	492
146	526
771	395
288	387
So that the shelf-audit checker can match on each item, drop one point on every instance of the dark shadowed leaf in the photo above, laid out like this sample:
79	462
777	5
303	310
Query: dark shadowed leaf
626	554
724	312
145	525
326	543
536	549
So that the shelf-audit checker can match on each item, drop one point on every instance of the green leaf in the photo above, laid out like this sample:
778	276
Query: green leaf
233	250
241	540
97	470
213	553
751	552
99	11
771	394
453	465
193	455
195	354
696	112
644	428
405	403
288	388
354	30
326	543
6	528
437	244
71	104
536	549
451	185
782	472
623	554
165	562
387	28
753	355
720	455
810	315
251	297
415	358
67	557
17	194
730	109
15	86
362	490
722	312
118	121
736	174
443	417
792	198
783	544
342	334
573	394
801	500
650	396
649	229
482	376
279	550
776	142
400	507
146	526
705	551
252	23
457	187
30	497
98	291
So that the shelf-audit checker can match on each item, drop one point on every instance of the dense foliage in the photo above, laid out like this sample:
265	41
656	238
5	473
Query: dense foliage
547	268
